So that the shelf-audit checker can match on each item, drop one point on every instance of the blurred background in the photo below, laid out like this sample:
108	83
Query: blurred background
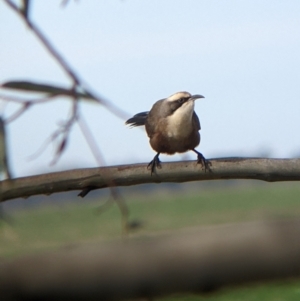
243	56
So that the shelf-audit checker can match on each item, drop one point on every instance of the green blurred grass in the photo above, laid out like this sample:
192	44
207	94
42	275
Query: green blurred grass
54	226
277	291
57	225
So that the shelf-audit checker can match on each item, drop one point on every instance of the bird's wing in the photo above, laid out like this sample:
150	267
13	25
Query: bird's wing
138	119
196	121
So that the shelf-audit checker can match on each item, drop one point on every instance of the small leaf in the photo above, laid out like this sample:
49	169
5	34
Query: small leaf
60	148
48	89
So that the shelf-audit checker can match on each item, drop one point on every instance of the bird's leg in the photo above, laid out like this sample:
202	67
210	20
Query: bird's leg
205	163
154	163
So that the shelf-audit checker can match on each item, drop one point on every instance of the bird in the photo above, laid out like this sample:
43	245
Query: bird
172	127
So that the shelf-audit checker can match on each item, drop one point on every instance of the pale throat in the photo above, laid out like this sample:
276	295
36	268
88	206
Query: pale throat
180	124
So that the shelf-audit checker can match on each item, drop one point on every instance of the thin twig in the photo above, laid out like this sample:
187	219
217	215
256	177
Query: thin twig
46	43
62	62
88	136
4	160
25	104
64	130
18	113
115	195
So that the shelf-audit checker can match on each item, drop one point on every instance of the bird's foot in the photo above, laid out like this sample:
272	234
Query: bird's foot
205	163
154	163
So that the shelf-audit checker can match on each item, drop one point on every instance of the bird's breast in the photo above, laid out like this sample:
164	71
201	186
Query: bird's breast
180	124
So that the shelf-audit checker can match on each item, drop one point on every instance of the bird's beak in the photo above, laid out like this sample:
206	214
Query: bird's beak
194	97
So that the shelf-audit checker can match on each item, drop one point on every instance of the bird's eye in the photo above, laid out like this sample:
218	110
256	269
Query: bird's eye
181	100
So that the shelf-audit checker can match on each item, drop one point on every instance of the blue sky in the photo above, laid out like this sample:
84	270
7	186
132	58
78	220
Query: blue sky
243	56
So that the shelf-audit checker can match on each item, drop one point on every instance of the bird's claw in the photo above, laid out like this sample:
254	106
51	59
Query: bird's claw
153	164
204	163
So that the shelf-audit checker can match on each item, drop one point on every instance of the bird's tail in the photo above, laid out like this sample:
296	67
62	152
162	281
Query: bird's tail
138	119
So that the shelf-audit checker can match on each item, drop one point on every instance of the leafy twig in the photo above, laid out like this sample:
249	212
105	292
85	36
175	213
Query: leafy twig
54	53
77	84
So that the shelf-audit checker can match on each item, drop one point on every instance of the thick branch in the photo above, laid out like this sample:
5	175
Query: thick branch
270	170
198	261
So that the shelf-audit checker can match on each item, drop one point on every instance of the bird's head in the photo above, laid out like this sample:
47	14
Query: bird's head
178	109
182	101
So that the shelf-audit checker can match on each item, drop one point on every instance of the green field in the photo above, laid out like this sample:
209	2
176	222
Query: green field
52	226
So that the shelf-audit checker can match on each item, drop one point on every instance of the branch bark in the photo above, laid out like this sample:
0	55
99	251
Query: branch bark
269	170
195	261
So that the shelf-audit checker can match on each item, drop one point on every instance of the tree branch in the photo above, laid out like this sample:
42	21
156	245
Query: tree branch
54	53
195	261
270	170
77	82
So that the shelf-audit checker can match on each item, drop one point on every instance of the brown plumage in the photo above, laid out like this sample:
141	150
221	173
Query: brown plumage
172	126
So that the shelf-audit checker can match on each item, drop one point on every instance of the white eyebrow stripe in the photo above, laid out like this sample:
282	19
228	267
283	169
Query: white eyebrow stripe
178	95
